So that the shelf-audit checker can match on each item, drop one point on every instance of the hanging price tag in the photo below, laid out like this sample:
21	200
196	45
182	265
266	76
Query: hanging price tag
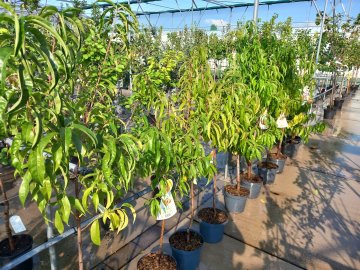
281	122
263	121
16	224
167	204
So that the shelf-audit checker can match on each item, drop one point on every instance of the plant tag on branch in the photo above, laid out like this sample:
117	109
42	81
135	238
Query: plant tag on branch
167	204
16	224
306	95
263	121
281	122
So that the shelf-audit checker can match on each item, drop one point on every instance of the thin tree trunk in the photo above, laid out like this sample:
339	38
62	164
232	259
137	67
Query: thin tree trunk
161	241
78	226
280	142
214	183
238	173
249	170
192	210
7	218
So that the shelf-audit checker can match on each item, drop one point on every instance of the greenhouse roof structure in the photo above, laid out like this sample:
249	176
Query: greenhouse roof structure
148	7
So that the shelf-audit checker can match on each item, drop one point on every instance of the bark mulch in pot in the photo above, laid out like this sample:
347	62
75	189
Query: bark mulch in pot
267	165
179	240
156	261
208	215
276	156
22	242
233	191
253	178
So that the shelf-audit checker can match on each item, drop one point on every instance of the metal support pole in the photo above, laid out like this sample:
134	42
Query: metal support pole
321	32
256	9
50	235
130	71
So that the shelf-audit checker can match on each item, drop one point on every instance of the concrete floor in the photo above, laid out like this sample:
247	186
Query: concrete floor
308	219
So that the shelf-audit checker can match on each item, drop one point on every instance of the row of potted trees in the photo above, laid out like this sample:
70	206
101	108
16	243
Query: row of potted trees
59	75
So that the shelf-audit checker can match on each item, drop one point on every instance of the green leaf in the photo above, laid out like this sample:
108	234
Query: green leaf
24	95
95	200
58	222
95	232
66	209
37	165
87	132
85	197
24	187
5	54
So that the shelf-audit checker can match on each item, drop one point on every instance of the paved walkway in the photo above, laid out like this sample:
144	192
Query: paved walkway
308	219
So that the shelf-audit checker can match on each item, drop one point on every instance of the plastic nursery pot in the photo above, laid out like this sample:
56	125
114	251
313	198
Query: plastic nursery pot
267	170
212	224
329	113
338	103
253	184
23	243
278	160
235	202
290	147
157	261
188	259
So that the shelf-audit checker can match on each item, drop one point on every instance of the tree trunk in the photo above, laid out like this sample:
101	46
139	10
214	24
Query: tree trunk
192	210
280	142
214	183
249	170
7	218
238	173
78	225
161	241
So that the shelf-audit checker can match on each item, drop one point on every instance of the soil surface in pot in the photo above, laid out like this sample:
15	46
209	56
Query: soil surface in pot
208	215
157	261
233	191
267	165
179	240
253	178
22	242
277	156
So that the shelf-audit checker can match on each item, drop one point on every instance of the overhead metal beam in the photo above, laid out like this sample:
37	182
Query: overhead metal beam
221	7
124	3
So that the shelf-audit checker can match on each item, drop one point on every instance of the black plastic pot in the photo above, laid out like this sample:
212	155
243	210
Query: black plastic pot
291	147
279	162
187	260
329	113
268	175
212	233
338	103
254	188
234	203
23	243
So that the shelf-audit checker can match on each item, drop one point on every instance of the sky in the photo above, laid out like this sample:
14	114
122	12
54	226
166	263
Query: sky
303	13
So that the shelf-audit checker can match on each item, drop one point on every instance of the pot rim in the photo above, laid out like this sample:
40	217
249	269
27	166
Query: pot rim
226	221
182	230
164	253
235	196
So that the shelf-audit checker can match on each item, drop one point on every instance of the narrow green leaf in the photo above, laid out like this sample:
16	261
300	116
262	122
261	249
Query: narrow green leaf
58	222
95	232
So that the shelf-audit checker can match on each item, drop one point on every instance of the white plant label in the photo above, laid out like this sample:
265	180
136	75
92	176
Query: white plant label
167	204
281	122
16	224
263	121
